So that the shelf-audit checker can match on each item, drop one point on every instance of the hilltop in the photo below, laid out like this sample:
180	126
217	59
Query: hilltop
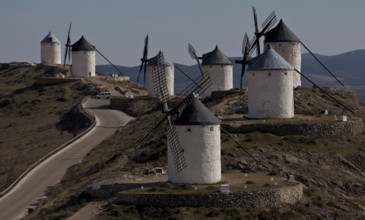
348	67
331	170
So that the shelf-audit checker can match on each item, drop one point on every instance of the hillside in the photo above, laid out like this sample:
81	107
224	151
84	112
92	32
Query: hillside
331	170
36	119
348	67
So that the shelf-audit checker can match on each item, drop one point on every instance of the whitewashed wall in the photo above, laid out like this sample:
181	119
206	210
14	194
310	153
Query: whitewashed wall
51	53
291	52
270	94
169	70
202	151
221	77
83	63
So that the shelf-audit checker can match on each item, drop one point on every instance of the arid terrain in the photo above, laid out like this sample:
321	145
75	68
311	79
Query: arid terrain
332	171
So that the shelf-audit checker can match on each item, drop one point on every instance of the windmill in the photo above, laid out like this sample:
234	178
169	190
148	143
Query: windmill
68	47
144	60
288	45
199	86
181	158
248	46
266	25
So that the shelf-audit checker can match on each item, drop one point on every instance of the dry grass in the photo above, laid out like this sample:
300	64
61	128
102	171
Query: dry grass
318	167
28	128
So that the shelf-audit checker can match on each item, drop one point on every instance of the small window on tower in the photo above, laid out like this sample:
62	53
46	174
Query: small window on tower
211	128
189	129
285	73
253	74
269	74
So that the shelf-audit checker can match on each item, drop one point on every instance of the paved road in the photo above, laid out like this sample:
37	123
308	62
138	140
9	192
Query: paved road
33	186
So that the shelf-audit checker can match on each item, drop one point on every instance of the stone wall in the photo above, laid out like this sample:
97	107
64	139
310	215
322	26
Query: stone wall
276	197
335	130
136	106
54	80
222	94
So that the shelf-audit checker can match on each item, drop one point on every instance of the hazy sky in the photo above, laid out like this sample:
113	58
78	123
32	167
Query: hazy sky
118	27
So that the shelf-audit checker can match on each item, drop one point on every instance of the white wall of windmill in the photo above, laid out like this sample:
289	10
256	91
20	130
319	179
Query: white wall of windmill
291	52
221	77
270	94
202	152
83	63
51	53
170	77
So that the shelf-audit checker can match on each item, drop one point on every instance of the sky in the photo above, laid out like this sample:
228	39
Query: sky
117	28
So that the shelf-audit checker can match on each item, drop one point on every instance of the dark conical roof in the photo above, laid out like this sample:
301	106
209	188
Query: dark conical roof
269	60
216	57
50	38
281	33
82	45
154	60
197	114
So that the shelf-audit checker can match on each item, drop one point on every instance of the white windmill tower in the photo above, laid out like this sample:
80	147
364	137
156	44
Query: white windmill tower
83	59
152	77
217	67
284	41
220	70
149	66
270	86
193	133
50	50
198	131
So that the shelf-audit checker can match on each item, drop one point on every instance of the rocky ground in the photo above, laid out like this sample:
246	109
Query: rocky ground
332	171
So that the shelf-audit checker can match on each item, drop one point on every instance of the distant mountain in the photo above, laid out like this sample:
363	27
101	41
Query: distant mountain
348	67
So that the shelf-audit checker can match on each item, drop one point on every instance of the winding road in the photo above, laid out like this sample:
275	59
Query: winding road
33	186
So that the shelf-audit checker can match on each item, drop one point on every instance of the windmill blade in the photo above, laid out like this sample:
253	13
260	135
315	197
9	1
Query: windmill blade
159	79
145	48
322	90
192	51
176	150
242	73
144	60
268	26
64	60
246	47
203	82
68	47
245	43
139	73
144	73
253	46
142	140
316	58
255	19
187	76
108	60
257	33
193	55
69	53
269	18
